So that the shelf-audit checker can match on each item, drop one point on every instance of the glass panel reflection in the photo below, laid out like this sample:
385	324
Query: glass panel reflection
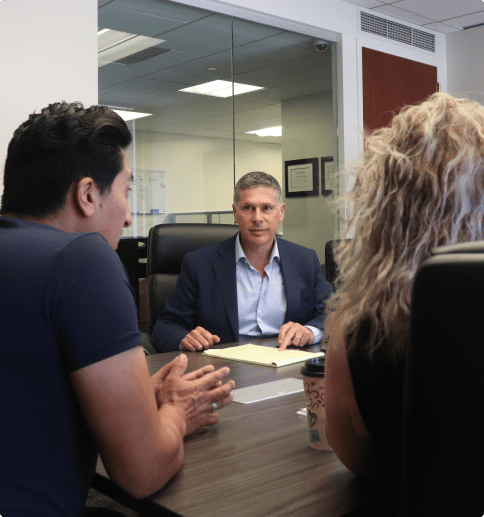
193	147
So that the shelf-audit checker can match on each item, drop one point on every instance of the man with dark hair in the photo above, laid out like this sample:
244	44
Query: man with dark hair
73	376
249	286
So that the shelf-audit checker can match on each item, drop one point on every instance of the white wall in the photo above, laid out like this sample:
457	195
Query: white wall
199	171
308	133
465	71
249	157
48	53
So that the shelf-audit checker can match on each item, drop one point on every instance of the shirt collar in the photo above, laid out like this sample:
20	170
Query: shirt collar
239	252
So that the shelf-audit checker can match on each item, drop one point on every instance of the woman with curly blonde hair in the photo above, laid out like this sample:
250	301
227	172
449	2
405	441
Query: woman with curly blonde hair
419	185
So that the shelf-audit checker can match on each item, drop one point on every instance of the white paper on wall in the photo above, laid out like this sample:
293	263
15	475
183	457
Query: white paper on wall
148	192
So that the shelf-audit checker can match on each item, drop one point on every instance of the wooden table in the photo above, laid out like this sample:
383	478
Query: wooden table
255	462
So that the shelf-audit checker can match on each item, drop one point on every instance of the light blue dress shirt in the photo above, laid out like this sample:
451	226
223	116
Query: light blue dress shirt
261	301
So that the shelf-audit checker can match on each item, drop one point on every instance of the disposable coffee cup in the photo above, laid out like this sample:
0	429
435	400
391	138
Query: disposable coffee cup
313	378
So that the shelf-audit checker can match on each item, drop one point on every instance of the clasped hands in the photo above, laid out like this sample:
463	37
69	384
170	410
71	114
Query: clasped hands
197	395
290	333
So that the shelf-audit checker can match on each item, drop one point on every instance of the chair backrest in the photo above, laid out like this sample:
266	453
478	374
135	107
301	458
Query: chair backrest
167	245
443	417
128	251
330	264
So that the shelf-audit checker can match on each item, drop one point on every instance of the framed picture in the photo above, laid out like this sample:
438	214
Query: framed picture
302	177
327	175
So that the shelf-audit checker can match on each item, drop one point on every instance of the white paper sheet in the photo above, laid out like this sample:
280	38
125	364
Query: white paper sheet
267	390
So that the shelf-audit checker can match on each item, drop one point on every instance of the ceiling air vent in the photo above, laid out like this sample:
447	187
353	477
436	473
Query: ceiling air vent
397	32
142	55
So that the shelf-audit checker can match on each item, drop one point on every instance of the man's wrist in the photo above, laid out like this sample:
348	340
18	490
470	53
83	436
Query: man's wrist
173	417
317	333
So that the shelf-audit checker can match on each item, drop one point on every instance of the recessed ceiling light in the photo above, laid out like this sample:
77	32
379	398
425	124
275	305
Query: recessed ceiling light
131	115
268	131
221	88
214	69
114	45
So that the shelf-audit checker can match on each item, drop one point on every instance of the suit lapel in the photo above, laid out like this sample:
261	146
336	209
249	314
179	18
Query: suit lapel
224	271
290	275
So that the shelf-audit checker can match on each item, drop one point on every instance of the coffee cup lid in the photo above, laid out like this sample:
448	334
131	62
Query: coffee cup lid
314	367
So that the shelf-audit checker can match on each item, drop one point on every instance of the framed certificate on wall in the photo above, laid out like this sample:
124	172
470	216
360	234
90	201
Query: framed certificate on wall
328	178
302	177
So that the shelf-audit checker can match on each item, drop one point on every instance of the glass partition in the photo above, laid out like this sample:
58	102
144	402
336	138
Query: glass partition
184	70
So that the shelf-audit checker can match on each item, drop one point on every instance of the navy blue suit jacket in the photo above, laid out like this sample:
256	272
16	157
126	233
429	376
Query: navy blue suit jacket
206	293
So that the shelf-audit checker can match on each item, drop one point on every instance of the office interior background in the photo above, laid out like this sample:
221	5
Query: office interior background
195	146
192	148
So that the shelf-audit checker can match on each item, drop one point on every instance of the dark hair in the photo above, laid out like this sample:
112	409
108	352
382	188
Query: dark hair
257	179
56	148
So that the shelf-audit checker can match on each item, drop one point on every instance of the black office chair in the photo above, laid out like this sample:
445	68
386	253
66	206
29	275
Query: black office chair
128	250
443	445
167	245
330	264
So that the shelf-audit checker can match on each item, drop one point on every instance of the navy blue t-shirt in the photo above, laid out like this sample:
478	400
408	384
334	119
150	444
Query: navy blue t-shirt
65	303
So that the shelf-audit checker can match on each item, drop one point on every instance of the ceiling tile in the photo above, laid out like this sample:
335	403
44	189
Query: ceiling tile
170	10
442	27
313	65
369	4
245	121
147	87
401	14
160	101
439	10
121	98
467	21
136	23
221	60
187	76
293	39
108	80
116	69
254	32
156	63
200	36
261	53
170	86
184	45
268	80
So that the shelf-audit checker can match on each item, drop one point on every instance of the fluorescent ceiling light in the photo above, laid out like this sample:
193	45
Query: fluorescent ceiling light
131	115
221	88
114	45
268	131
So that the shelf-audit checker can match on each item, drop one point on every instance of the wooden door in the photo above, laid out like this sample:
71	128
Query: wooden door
391	82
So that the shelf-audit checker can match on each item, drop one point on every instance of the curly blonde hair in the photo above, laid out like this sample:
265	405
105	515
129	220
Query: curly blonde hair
419	185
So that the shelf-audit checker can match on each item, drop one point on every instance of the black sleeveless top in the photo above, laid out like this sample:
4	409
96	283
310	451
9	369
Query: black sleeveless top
378	384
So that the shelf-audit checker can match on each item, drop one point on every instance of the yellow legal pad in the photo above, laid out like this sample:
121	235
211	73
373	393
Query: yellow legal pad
267	356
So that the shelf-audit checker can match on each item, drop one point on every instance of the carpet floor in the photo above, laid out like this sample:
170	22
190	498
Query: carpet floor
97	500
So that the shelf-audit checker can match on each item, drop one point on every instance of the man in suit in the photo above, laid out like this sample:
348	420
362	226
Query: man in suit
249	286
